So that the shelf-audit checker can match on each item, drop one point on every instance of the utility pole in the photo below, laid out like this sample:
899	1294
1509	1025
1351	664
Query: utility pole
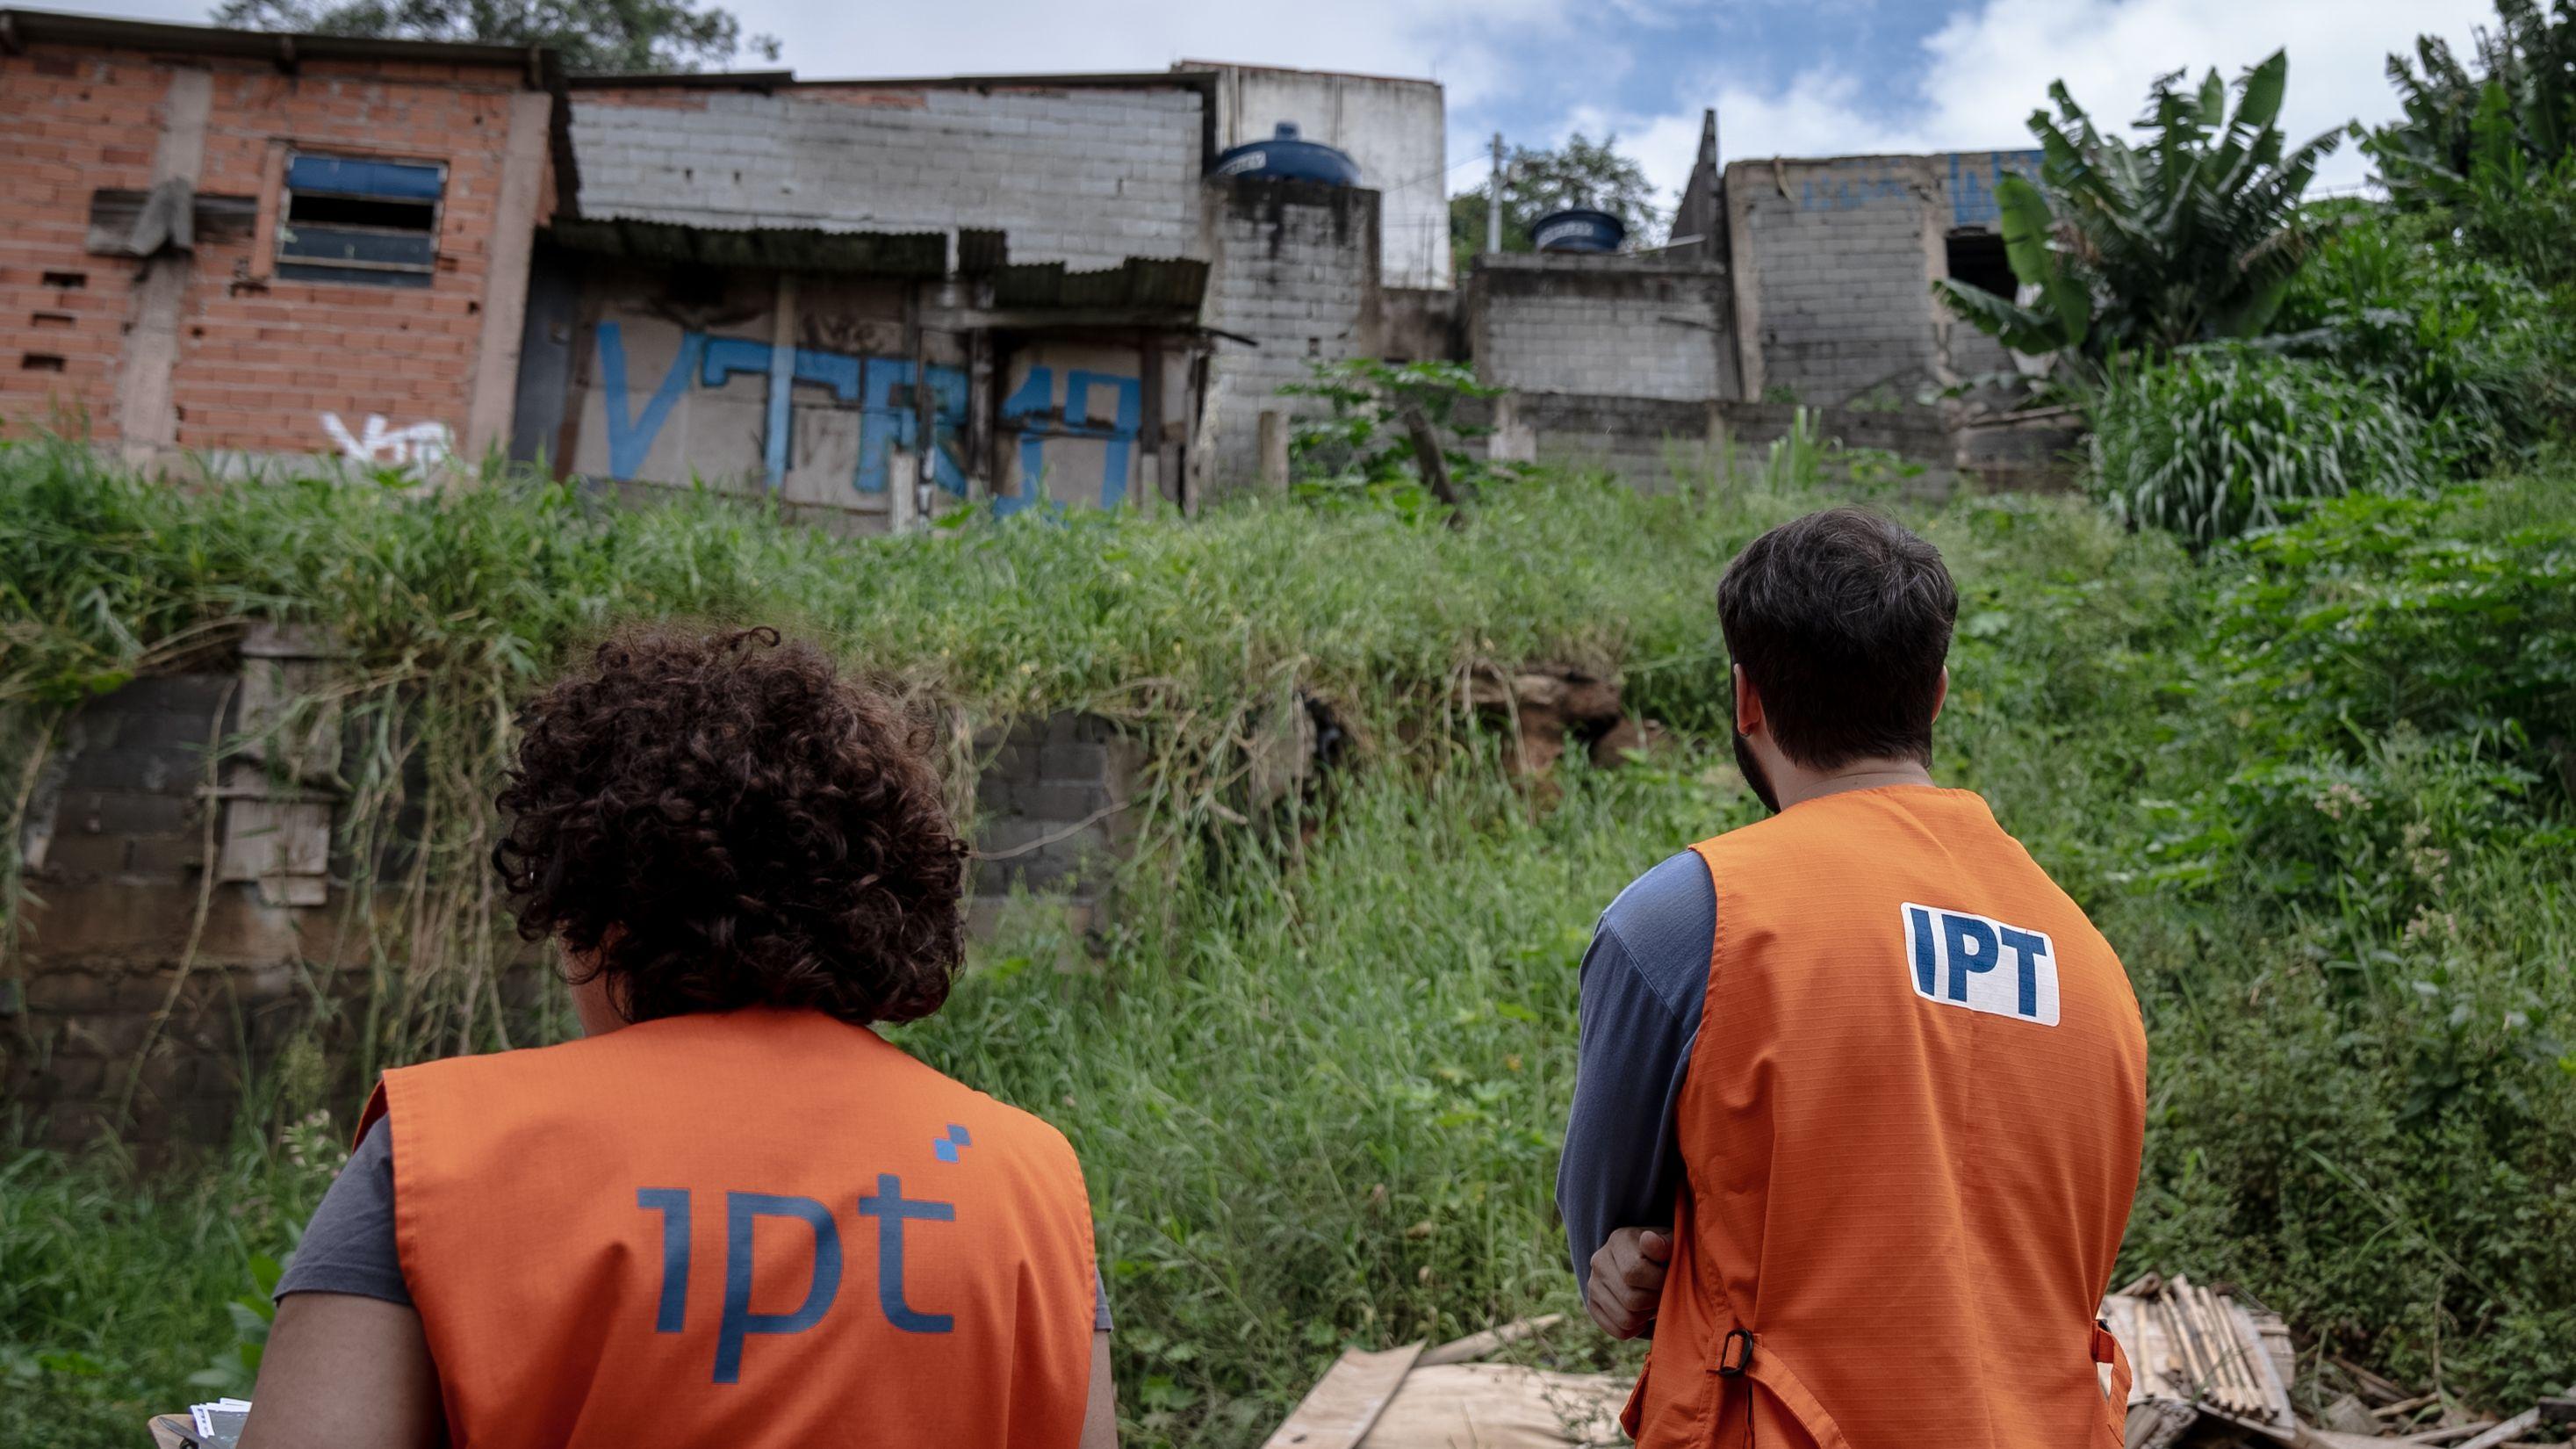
1494	201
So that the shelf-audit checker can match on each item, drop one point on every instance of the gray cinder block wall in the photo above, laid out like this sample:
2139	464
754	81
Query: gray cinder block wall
1086	176
1617	325
1834	265
1294	269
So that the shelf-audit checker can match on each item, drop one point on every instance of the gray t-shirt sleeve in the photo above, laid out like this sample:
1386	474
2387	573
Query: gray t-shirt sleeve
349	1245
1644	985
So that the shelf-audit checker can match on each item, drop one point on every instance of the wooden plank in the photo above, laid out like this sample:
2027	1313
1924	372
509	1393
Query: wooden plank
1337	1412
1478	1345
2509	1429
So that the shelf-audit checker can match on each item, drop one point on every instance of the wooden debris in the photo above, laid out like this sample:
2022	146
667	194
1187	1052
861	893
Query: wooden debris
1339	1410
2510	1429
2198	1356
1483	1345
2447	1433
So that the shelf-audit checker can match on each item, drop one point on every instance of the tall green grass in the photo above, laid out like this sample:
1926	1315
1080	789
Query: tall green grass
1318	1083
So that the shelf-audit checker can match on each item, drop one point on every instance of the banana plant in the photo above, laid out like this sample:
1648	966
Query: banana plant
2191	234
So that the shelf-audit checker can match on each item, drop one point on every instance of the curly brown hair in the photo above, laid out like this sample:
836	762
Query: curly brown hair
721	821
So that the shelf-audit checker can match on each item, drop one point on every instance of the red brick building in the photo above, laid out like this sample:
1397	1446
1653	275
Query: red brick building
241	246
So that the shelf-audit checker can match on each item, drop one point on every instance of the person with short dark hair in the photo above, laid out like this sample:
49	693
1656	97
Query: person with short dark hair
730	1213
1862	1093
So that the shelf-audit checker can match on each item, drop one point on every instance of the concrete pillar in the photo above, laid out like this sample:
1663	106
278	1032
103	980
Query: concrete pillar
1274	449
146	424
505	279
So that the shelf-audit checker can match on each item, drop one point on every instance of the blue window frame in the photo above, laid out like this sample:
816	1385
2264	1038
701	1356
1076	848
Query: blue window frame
360	219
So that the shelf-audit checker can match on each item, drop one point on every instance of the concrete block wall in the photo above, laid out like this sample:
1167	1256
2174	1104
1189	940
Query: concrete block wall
117	861
1834	265
1395	130
114	868
221	356
1295	269
1655	443
1609	325
1085	176
1051	814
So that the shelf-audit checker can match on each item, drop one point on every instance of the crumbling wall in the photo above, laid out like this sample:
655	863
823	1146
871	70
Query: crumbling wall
1968	191
1834	264
1631	326
1295	273
142	998
1084	175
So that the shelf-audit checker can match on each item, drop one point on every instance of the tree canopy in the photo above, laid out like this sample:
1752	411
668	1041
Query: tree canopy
594	36
1582	172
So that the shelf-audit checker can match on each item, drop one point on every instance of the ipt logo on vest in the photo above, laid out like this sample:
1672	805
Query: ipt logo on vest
737	1323
1959	958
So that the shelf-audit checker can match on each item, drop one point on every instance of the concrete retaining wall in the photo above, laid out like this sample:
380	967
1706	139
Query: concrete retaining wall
93	1002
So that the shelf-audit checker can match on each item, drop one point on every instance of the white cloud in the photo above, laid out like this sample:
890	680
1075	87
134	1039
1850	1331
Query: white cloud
1985	71
1453	41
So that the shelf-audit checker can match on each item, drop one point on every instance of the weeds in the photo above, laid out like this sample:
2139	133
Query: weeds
1317	1082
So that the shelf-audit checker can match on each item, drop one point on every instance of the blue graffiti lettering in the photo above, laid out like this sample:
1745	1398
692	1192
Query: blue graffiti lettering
881	388
1032	406
631	438
885	424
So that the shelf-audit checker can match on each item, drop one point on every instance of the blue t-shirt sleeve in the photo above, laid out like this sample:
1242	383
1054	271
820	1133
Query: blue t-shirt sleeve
1644	985
349	1245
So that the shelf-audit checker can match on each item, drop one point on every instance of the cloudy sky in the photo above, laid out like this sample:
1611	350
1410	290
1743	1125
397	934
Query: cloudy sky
1788	77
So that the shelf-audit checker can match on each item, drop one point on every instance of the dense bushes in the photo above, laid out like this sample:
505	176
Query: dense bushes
2217	441
2306	782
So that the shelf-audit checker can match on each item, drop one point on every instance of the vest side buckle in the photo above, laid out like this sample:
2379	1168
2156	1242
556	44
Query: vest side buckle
2104	1344
1732	1361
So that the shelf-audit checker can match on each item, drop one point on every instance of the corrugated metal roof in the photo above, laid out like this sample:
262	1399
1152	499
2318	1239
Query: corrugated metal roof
787	249
1135	282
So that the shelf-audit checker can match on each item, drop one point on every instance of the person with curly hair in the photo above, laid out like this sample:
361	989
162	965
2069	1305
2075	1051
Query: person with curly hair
730	1214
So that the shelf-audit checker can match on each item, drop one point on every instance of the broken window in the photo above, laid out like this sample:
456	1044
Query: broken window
1977	260
359	219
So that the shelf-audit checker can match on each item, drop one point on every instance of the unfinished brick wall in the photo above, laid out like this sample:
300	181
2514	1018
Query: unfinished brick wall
1084	175
69	123
102	1032
1835	261
1296	270
1628	326
238	362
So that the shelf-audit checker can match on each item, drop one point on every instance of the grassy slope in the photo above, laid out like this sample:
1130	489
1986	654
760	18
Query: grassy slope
1318	1101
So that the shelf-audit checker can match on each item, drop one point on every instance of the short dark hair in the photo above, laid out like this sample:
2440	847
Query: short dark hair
1841	620
722	821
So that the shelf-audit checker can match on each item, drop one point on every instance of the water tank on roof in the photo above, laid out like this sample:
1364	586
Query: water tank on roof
1288	156
1578	229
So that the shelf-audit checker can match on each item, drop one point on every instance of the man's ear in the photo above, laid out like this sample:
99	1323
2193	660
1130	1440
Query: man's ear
1941	692
1748	704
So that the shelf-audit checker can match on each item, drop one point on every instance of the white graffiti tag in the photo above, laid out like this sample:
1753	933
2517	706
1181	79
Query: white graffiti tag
418	446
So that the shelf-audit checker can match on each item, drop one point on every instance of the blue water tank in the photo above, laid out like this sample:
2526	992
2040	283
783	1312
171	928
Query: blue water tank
1578	229
1286	155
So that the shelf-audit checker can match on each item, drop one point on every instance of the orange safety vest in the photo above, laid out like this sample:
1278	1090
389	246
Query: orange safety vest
756	1228
1910	1133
